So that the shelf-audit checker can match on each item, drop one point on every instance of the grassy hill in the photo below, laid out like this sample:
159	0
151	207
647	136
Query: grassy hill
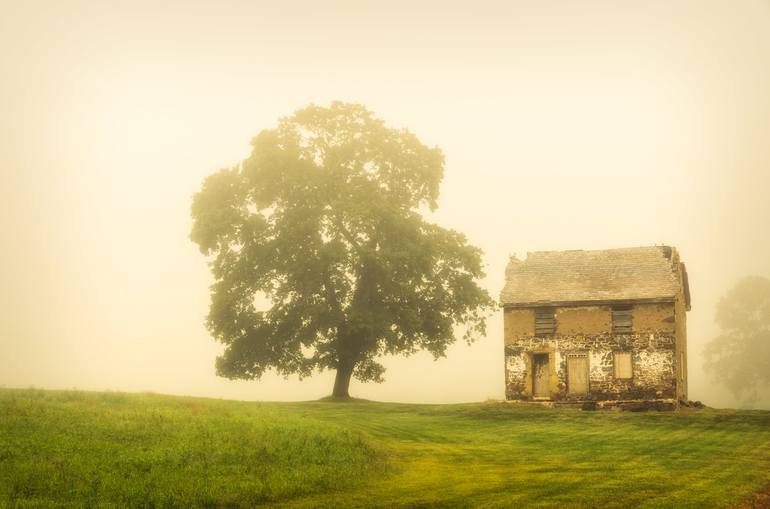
82	449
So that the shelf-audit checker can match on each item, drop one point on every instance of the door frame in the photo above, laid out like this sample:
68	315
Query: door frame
547	366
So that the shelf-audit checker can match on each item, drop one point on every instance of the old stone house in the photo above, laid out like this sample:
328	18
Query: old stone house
604	326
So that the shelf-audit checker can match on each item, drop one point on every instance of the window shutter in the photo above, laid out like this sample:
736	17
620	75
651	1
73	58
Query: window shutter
622	320
545	322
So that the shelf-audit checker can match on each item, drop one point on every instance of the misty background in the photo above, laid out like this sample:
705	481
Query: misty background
565	125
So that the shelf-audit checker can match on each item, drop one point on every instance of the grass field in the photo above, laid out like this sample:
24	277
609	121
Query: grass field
83	449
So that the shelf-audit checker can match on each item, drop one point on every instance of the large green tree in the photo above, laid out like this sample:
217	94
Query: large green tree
323	222
739	357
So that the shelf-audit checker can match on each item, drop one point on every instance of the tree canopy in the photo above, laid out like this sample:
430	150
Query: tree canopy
740	356
324	220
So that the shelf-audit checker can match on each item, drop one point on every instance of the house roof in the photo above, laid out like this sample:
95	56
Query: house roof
628	274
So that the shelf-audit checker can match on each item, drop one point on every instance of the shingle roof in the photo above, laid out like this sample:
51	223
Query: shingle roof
627	274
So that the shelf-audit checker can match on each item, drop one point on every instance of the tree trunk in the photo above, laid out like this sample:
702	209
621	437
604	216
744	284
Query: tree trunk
342	380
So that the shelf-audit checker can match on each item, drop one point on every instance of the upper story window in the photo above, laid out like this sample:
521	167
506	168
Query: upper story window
622	320
545	322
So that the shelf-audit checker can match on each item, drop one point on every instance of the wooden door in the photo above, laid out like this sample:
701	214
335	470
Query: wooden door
577	375
540	375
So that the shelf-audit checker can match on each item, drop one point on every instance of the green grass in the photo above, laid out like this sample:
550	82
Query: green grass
81	449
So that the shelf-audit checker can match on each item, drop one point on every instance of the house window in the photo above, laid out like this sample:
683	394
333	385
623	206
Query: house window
623	365
545	322
621	320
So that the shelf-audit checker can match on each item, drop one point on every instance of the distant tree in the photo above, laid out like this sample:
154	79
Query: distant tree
323	220
740	356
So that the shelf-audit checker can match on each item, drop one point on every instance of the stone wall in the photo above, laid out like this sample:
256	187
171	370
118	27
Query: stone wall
681	348
583	320
653	318
587	330
518	322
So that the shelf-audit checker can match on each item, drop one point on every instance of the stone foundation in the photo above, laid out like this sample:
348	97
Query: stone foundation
638	405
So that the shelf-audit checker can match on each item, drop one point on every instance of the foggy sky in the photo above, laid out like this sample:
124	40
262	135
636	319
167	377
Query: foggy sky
565	125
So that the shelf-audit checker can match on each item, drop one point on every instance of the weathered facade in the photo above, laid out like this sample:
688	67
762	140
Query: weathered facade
603	326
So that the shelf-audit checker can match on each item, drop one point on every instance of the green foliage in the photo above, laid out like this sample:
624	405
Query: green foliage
75	449
323	220
740	356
